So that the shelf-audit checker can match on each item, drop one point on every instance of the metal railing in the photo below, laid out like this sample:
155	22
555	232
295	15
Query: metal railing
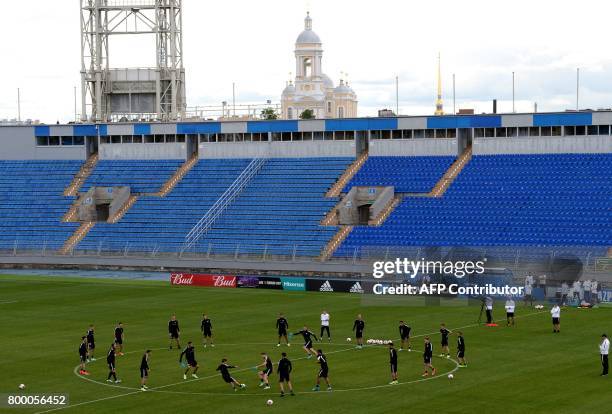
516	260
233	191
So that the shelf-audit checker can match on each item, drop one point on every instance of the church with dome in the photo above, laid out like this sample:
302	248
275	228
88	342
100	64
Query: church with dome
312	89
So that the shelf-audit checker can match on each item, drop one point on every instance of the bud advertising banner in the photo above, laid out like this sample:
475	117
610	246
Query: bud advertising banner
191	279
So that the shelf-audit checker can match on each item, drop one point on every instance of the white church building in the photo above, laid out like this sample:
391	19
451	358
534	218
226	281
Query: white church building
313	89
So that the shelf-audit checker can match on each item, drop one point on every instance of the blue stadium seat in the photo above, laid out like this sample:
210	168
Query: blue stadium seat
503	200
32	203
278	212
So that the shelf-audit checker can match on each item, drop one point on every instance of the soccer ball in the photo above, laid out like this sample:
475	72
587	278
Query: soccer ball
451	376
348	339
269	402
21	386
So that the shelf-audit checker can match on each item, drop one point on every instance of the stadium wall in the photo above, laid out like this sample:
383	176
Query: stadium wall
276	149
151	151
413	147
543	145
19	143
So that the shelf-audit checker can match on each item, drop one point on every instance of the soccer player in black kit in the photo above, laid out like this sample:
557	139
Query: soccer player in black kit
110	360
461	350
444	341
192	364
427	355
224	369
393	363
83	356
404	331
91	344
265	373
206	328
174	331
358	327
282	325
323	371
144	370
307	335
284	371
119	337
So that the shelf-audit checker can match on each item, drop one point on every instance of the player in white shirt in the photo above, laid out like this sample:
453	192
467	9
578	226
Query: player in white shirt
527	295
556	316
604	349
586	285
594	297
325	325
542	282
564	293
576	287
489	309
510	305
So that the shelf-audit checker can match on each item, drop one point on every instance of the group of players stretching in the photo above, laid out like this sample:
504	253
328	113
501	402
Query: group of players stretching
265	369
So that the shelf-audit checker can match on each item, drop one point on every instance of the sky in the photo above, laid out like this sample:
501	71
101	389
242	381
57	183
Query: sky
251	43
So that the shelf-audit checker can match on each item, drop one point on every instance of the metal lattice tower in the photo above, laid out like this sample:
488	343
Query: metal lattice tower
115	93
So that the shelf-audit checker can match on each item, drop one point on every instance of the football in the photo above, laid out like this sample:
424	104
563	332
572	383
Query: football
21	386
451	376
348	339
269	402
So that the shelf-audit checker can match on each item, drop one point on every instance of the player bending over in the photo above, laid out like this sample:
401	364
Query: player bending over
307	335
91	343
358	327
174	332
83	356
119	338
110	360
224	369
206	328
393	363
427	355
284	371
404	331
323	371
144	370
192	364
444	341
265	373
282	325
461	350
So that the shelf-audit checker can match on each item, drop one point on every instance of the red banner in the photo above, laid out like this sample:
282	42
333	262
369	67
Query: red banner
191	279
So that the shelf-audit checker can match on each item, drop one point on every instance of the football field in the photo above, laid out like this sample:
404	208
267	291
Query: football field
525	369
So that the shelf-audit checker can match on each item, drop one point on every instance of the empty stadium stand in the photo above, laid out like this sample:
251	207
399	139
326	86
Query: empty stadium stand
500	200
32	203
547	200
143	176
407	174
279	212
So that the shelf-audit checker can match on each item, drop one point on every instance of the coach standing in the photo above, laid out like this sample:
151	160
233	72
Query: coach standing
604	348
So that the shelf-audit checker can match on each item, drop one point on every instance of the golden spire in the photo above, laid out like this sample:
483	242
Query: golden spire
439	105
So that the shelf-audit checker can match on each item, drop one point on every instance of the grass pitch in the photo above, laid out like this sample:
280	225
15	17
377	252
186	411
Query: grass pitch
526	369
